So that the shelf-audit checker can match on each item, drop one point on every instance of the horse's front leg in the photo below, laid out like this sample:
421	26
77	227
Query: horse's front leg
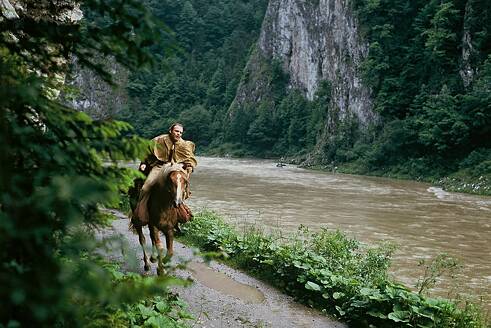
155	235
141	239
169	243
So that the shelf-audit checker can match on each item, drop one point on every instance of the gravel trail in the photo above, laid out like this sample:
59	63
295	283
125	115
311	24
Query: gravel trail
219	296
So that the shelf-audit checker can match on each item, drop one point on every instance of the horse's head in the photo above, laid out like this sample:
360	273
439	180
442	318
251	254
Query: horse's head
177	185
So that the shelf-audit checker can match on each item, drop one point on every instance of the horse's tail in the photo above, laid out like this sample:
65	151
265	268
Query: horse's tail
140	216
141	211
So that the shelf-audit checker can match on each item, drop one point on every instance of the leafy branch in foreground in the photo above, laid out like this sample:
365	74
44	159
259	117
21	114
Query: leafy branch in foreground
57	165
117	306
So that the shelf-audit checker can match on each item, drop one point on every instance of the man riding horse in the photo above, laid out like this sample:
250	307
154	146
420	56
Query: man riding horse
168	148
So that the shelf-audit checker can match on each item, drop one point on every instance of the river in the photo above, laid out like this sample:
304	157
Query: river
423	221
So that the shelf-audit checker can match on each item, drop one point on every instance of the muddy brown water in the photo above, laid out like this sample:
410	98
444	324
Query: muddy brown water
224	284
422	220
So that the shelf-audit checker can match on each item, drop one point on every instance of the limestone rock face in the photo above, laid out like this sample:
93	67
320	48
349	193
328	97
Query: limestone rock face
466	71
319	41
94	96
315	41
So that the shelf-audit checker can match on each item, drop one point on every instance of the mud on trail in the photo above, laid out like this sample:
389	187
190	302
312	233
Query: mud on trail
219	296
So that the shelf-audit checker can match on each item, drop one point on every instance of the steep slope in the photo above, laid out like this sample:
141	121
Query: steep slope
318	42
312	41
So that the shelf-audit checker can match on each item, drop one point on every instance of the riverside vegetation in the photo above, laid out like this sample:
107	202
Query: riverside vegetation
433	101
134	300
332	272
58	167
53	181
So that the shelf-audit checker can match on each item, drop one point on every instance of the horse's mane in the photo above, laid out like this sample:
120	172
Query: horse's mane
167	168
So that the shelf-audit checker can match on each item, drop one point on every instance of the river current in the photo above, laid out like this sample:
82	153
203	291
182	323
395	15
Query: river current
422	220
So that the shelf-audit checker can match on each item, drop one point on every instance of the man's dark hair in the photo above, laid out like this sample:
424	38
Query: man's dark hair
174	125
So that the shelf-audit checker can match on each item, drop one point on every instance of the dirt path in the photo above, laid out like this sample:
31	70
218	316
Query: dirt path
221	296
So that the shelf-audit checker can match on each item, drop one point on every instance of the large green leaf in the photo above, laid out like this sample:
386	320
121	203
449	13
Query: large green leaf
399	316
312	286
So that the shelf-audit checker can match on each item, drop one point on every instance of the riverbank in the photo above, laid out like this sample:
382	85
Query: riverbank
208	294
421	220
476	181
461	181
332	272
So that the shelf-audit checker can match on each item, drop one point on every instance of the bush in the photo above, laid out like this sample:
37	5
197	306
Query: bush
332	272
475	158
163	310
58	166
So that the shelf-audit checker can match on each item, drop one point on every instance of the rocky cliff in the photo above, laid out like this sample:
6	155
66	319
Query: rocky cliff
93	95
313	41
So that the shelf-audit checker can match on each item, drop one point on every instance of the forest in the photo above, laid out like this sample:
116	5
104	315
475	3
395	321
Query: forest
429	73
60	169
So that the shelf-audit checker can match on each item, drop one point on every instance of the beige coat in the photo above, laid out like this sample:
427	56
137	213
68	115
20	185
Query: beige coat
184	150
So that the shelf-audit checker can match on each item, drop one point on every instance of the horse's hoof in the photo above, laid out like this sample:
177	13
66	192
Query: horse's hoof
153	259
160	272
146	267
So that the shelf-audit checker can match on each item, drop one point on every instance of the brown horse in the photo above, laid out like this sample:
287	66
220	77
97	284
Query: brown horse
166	209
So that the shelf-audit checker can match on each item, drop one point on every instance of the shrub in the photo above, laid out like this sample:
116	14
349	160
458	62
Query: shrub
332	272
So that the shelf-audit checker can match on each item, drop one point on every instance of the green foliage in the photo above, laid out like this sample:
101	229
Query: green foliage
117	306
319	112
240	123
284	122
197	121
197	83
476	107
434	115
261	133
59	167
474	174
333	272
293	115
338	147
435	269
441	125
158	312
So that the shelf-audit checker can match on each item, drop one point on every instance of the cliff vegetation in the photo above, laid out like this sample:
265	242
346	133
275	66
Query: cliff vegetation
427	65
